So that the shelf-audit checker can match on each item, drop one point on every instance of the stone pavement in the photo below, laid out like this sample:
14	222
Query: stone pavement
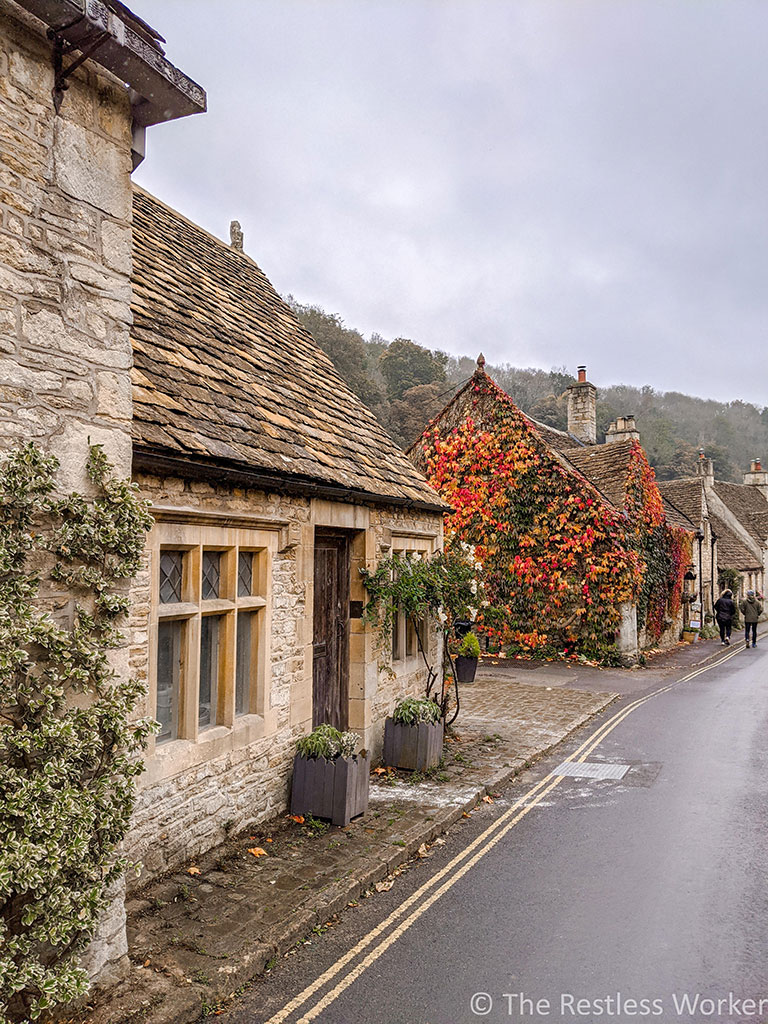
200	934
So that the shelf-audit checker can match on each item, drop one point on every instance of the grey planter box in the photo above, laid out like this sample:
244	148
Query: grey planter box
417	747
465	668
336	790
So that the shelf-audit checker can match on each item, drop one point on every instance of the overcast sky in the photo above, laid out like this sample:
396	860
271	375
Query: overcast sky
583	181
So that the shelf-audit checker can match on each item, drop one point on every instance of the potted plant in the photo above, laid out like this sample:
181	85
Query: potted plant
467	658
413	735
330	779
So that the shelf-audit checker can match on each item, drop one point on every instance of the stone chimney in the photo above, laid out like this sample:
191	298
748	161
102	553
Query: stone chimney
236	235
622	429
705	468
582	408
757	476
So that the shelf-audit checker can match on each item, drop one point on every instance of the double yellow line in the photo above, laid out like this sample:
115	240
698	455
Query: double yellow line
422	899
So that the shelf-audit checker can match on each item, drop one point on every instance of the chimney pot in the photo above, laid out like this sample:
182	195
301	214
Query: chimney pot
236	235
582	374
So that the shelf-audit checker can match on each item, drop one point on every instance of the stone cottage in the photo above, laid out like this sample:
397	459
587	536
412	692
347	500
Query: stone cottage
123	323
561	515
732	528
271	486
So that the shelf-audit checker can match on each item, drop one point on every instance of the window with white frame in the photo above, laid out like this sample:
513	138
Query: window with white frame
209	605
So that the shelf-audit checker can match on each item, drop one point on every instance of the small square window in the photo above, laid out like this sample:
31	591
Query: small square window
171	575
211	574
245	574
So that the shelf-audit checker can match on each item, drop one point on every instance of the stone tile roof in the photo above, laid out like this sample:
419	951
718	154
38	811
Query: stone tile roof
748	505
606	466
226	378
732	553
685	496
558	439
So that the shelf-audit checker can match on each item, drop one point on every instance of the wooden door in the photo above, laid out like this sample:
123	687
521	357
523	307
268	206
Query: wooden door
330	668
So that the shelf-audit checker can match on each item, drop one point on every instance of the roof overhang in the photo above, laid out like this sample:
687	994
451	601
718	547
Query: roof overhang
158	463
126	47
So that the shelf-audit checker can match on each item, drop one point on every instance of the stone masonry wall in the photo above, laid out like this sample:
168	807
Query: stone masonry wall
65	256
65	260
180	816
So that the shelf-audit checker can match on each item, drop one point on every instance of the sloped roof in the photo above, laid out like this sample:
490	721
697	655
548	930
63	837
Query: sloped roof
732	553
606	466
561	440
748	505
226	378
684	495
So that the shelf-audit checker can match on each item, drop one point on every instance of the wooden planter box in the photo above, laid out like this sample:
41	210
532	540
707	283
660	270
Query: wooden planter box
417	747
336	790
465	668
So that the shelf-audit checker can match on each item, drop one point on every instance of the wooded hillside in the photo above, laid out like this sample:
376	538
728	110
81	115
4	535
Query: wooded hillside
406	385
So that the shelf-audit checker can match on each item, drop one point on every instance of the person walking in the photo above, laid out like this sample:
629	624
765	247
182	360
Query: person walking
725	609
751	609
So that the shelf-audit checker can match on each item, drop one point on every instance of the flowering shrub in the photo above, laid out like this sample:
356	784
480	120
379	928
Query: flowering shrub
557	561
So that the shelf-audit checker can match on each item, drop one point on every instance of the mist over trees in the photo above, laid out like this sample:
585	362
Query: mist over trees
406	384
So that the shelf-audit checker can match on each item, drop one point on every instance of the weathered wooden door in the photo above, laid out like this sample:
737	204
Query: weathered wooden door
330	685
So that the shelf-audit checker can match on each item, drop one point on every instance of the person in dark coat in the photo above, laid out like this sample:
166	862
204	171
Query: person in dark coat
725	610
751	609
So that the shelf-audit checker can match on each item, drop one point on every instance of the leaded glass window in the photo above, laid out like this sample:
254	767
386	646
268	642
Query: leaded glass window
209	670
171	575
245	574
244	663
211	574
169	639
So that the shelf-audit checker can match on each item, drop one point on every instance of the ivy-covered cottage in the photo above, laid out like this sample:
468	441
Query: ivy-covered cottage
580	555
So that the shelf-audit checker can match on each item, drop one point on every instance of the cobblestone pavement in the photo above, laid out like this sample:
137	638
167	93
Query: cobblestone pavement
199	934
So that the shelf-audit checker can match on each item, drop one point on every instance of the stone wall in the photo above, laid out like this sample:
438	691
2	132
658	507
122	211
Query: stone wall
65	258
193	794
65	255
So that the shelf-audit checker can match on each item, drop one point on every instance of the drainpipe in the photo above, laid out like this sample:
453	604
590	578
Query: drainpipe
712	574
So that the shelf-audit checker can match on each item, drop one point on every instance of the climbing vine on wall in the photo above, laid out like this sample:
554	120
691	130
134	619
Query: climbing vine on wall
558	561
664	551
69	747
556	565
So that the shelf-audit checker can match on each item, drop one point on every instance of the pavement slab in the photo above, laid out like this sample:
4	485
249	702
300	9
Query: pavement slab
196	938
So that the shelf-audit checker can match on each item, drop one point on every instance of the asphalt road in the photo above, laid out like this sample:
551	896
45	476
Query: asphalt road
568	901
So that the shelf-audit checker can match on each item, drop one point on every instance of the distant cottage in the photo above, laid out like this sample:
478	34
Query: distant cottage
583	557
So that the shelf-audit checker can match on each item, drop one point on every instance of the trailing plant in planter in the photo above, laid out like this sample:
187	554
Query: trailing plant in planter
412	710
69	745
467	657
330	777
328	742
413	735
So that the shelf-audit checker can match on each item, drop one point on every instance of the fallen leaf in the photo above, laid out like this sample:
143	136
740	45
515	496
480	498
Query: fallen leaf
465	815
422	850
298	818
257	851
383	886
439	842
146	963
270	840
487	799
354	903
379	771
193	870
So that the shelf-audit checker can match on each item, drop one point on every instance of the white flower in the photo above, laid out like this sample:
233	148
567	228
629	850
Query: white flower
472	613
416	556
441	615
473	586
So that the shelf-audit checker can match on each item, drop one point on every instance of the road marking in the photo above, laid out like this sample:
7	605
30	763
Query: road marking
504	824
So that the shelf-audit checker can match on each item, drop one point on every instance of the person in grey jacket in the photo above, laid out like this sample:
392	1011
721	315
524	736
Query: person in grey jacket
751	609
